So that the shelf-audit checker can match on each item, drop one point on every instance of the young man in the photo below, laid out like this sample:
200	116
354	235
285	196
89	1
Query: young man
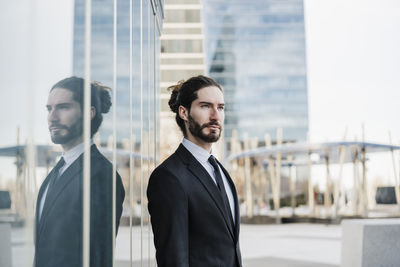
59	219
192	200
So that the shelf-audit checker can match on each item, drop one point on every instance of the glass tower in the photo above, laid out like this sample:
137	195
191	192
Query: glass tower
256	50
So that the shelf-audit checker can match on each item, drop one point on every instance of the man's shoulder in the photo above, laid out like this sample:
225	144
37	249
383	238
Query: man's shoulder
171	162
171	173
99	164
175	164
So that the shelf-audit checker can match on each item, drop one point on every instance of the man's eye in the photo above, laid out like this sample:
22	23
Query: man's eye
221	108
204	106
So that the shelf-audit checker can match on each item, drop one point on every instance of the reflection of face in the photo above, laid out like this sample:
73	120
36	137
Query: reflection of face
64	117
206	115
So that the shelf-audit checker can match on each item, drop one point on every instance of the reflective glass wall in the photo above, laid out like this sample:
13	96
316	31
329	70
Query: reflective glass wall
80	131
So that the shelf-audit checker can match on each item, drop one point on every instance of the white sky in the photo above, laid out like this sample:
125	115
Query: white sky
353	62
353	68
45	34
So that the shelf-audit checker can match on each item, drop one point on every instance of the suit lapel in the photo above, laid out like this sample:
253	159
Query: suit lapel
39	199
235	198
71	173
202	175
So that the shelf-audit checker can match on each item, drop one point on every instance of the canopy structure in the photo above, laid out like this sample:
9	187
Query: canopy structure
323	150
46	155
270	159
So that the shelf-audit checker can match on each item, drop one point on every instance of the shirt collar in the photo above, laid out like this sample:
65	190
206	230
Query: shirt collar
198	152
72	154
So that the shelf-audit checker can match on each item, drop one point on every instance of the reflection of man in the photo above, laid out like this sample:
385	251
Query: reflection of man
59	206
192	199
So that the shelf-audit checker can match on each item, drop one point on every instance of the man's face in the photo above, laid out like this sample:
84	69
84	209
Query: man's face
64	117
206	115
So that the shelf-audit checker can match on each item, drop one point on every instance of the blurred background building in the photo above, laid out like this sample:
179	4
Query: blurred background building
256	50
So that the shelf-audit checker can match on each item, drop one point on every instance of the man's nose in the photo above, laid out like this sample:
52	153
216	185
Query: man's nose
215	114
52	116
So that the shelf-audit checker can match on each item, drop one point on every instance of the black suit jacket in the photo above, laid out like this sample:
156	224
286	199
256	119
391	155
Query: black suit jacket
58	238
190	224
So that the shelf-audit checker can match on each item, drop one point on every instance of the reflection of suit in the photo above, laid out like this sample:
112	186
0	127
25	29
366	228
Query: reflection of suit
59	232
190	224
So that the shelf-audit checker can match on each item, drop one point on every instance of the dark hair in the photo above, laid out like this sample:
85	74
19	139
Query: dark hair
185	92
100	98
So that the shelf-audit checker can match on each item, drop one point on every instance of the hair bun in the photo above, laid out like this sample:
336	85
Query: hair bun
104	97
174	101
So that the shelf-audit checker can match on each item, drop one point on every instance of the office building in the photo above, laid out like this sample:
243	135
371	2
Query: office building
256	50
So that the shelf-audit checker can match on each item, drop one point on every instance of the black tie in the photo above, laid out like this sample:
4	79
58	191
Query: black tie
55	175
221	186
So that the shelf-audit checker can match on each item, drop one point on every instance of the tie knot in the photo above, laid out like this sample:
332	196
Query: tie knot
60	163
213	161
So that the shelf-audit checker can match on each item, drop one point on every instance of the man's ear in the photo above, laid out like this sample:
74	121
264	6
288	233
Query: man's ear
183	113
92	112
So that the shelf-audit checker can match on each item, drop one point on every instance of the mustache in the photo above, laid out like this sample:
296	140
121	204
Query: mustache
211	123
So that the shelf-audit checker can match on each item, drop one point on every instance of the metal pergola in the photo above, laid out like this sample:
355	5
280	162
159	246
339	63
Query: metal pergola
271	158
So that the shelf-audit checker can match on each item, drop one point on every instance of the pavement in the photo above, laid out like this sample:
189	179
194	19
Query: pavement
284	245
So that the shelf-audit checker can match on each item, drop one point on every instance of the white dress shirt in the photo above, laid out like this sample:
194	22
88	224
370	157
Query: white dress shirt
202	156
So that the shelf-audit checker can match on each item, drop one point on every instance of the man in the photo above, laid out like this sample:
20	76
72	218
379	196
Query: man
192	200
59	220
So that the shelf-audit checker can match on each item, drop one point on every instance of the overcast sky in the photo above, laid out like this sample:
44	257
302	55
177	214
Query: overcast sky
353	63
353	68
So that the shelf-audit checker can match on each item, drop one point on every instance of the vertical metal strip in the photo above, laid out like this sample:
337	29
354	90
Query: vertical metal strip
148	121
155	91
114	176
141	133
131	145
86	138
30	172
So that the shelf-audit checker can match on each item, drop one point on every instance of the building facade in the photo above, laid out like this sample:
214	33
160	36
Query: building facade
182	56
256	50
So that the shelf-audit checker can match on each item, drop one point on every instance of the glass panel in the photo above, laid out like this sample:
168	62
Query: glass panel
44	60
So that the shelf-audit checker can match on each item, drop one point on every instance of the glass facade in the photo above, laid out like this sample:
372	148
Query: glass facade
256	50
86	135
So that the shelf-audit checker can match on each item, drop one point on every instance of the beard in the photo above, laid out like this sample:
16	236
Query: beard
73	132
197	130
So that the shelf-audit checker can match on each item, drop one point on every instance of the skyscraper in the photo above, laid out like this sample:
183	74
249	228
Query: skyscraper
256	50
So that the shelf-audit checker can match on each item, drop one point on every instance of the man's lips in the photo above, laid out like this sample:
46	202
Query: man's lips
214	127
56	128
